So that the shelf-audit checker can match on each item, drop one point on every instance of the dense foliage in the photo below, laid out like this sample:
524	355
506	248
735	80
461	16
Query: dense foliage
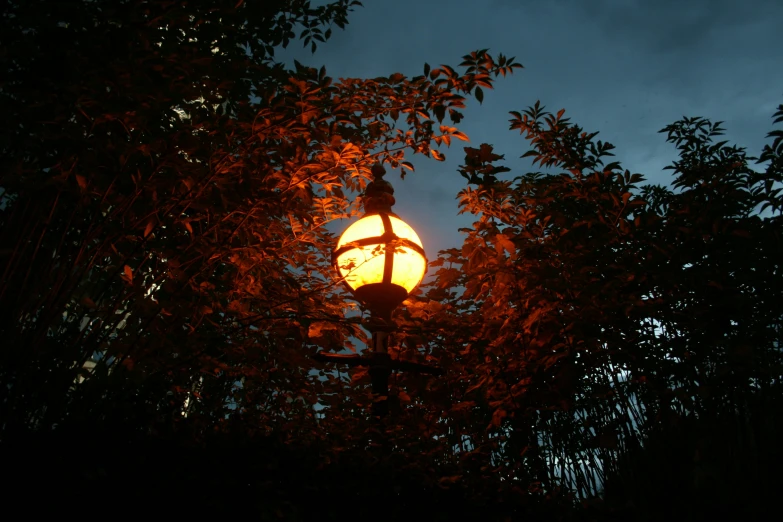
166	196
595	315
166	268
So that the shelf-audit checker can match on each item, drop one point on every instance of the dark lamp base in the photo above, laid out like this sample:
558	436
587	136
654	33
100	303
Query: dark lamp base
381	298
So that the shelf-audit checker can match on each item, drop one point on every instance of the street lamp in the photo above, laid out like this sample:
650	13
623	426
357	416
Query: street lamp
381	260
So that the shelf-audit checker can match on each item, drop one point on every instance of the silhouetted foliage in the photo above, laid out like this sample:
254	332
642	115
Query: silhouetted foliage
585	313
166	196
165	261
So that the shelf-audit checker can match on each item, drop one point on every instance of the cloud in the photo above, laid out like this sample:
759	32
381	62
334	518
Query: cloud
625	68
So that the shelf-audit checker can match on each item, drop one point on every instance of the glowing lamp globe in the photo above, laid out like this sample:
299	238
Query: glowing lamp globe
381	259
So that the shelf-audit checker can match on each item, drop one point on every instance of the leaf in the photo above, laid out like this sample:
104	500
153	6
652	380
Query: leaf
82	182
437	155
358	374
476	386
460	135
128	274
532	318
443	481
149	227
237	306
462	406
502	242
318	328
479	95
498	416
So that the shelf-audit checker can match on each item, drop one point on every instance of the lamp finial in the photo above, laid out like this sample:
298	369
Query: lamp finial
379	194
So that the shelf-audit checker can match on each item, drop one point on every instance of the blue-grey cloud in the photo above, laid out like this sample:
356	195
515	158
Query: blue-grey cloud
625	68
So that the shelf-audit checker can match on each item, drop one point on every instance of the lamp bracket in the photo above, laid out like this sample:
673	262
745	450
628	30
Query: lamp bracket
378	360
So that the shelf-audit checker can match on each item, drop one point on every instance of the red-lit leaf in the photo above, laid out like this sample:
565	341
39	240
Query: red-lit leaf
127	274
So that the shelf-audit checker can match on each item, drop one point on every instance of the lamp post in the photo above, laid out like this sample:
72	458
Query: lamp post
381	260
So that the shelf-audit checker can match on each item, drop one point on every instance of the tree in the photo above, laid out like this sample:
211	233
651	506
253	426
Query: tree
585	313
166	259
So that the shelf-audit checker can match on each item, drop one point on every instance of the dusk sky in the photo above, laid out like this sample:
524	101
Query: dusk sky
625	68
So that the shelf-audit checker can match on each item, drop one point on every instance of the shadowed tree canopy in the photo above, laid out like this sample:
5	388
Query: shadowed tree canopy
167	193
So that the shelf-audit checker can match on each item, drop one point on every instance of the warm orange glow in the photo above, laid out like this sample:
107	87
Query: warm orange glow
363	265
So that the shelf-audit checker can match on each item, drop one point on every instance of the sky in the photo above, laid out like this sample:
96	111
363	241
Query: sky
624	68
